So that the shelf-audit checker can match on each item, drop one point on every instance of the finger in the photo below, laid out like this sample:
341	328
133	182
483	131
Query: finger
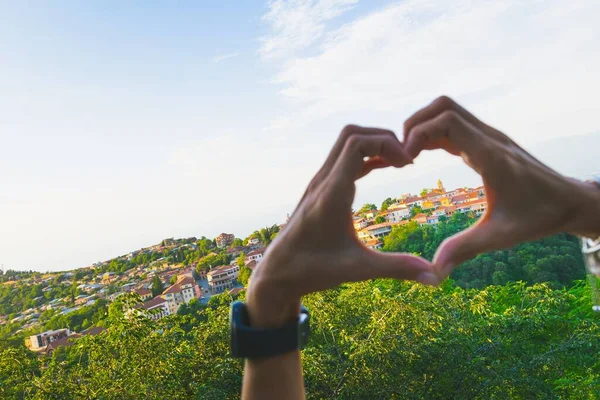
463	246
451	132
348	132
384	149
372	164
375	264
441	105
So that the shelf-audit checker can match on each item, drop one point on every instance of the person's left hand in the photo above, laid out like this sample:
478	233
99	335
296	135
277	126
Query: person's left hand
318	249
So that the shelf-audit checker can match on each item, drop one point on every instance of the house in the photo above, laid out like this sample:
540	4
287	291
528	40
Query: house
374	244
371	214
379	230
40	341
254	241
82	299
144	293
458	199
398	214
256	255
433	219
439	211
251	265
68	340
411	202
182	291
236	251
479	206
224	239
235	291
222	277
360	223
109	277
420	218
159	307
128	287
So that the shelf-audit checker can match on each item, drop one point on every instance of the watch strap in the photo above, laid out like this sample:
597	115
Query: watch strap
249	342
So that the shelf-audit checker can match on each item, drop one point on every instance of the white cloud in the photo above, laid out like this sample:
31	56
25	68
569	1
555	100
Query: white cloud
296	24
223	57
530	67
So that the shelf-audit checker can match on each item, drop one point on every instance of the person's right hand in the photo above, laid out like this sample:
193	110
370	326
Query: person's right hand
526	199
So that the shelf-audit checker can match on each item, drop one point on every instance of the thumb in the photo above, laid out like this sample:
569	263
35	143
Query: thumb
463	246
402	266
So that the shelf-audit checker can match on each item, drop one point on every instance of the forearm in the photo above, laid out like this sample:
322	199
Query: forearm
277	377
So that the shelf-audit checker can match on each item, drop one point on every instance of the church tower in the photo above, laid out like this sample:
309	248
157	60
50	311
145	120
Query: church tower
440	185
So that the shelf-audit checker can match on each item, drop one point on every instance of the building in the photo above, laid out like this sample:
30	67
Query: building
378	230
420	218
224	239
398	214
182	291
40	341
68	340
109	277
222	277
360	223
256	255
144	293
158	307
254	241
374	244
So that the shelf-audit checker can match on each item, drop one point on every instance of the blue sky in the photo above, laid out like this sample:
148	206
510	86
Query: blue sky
123	123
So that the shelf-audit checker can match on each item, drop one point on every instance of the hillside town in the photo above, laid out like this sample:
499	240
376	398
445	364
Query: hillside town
178	272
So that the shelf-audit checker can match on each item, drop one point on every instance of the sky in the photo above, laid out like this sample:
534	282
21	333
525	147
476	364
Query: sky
123	123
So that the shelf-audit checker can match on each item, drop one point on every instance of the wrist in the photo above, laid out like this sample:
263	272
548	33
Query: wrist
587	220
268	305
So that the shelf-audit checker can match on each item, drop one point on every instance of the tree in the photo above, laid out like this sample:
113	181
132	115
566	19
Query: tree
244	275
367	207
386	203
237	242
173	280
416	210
157	286
424	192
241	260
380	219
267	234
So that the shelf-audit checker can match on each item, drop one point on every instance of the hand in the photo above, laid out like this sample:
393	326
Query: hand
526	199
318	249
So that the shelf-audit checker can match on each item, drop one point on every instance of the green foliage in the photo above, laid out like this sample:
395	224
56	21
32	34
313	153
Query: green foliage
556	259
367	207
237	242
381	339
267	234
415	210
424	192
380	219
244	275
173	280
241	259
157	286
386	203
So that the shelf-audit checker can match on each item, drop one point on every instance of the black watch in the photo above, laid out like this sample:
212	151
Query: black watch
248	342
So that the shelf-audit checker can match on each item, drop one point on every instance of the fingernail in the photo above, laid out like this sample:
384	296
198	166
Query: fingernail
428	278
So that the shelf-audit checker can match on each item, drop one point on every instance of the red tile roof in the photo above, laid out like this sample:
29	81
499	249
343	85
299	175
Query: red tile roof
158	300
252	264
143	291
257	251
